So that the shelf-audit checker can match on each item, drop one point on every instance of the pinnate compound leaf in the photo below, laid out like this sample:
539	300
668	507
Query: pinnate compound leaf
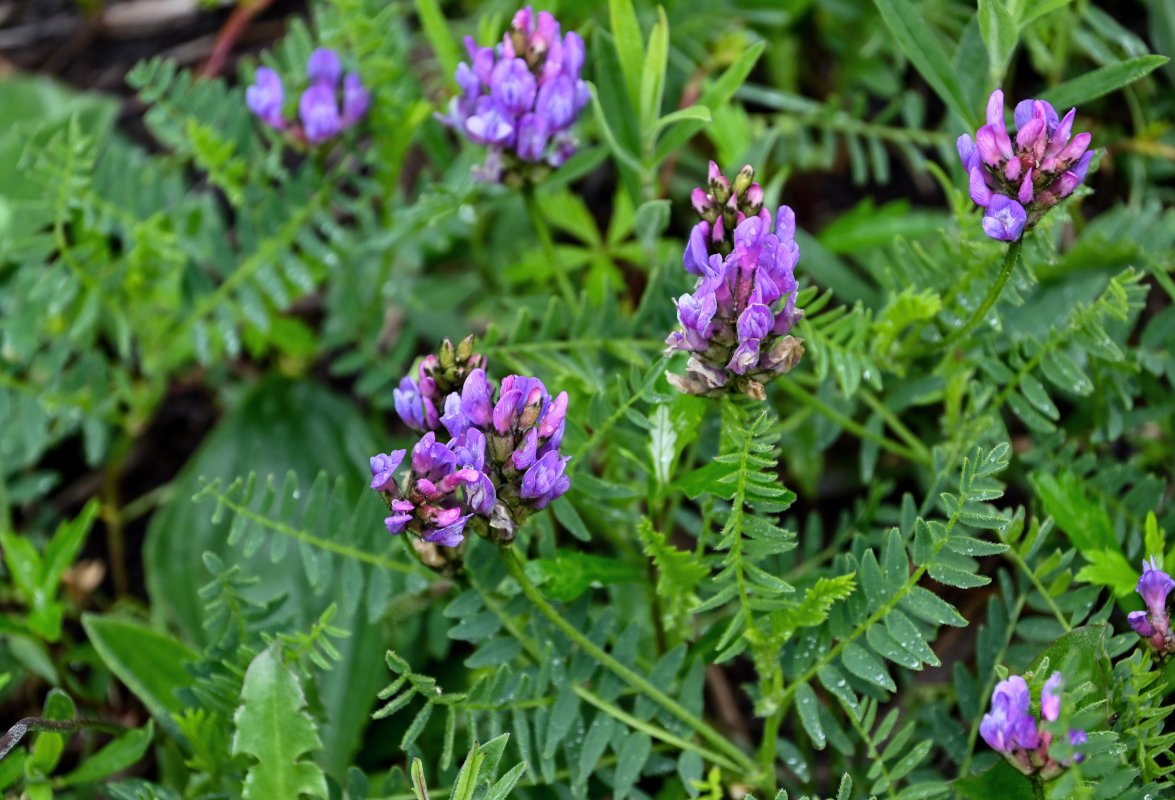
272	727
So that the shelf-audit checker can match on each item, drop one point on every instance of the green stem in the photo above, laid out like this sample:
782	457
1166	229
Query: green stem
594	699
814	402
894	422
635	680
539	222
1010	260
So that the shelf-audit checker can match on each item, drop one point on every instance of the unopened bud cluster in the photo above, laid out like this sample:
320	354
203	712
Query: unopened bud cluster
501	461
319	112
521	98
1018	181
735	325
722	205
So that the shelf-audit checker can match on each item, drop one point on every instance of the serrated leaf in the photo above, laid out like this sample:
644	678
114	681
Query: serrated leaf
272	726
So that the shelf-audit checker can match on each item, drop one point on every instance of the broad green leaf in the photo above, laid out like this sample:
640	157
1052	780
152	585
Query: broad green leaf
564	715
150	664
276	426
272	726
1101	81
953	576
116	756
921	46
1001	781
907	635
1081	653
886	646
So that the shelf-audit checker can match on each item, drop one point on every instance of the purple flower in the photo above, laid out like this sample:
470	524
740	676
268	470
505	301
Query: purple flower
545	480
416	410
1154	623
1036	170
521	99
383	468
1050	697
320	113
732	322
264	97
502	460
356	99
1005	218
475	399
324	67
1009	726
1011	730
454	418
1154	586
1075	738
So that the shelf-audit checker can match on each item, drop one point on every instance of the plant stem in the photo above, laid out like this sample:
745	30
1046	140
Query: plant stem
848	424
635	680
10	739
895	423
1010	260
539	222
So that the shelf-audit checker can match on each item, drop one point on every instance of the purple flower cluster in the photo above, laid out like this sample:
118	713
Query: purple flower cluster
501	462
318	107
733	325
1154	624
1017	181
521	98
1012	730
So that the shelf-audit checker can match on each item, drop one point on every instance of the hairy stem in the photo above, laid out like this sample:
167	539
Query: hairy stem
1010	260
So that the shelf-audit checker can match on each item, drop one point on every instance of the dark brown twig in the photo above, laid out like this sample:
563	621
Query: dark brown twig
12	738
233	28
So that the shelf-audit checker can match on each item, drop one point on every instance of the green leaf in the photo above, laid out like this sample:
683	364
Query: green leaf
572	572
653	74
715	95
1081	653
921	46
275	426
696	113
48	746
1109	568
1102	80
272	727
1002	781
999	32
926	604
708	479
808	708
150	664
1083	517
632	755
662	444
118	755
629	47
866	666
432	21
818	599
